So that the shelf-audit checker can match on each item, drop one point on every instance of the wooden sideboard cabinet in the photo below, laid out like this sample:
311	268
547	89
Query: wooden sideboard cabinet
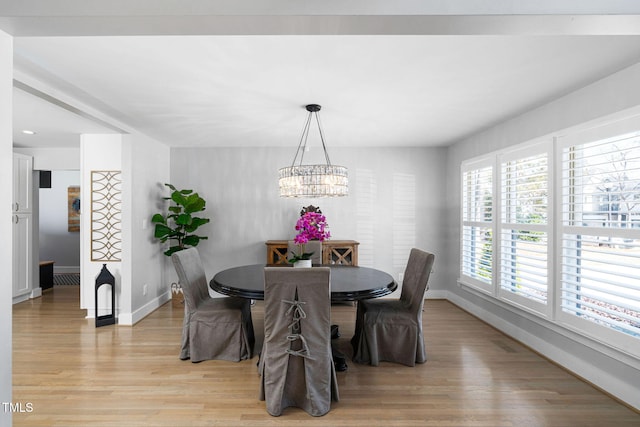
343	252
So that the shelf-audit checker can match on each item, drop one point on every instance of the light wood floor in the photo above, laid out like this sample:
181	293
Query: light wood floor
76	375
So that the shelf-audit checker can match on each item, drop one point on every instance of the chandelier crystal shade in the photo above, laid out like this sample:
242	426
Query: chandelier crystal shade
319	180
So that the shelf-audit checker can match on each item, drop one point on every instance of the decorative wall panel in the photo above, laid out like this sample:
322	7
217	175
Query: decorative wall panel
106	202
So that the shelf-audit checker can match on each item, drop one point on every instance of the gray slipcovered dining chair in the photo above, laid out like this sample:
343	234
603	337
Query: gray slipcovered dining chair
391	330
213	328
296	366
314	246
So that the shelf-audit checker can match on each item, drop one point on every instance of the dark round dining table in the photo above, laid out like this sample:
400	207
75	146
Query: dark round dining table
348	283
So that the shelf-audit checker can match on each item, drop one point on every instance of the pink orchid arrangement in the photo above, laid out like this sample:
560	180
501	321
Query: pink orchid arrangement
310	226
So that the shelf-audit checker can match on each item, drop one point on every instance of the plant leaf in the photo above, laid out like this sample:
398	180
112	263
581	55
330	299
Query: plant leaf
162	231
195	223
158	218
179	198
172	249
193	240
194	203
183	219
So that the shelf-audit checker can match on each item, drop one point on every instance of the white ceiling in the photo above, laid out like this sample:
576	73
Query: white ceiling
250	90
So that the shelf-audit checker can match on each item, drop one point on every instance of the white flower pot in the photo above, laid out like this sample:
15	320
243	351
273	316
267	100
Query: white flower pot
303	263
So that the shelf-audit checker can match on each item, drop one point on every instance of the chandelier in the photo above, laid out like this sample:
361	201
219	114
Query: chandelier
319	180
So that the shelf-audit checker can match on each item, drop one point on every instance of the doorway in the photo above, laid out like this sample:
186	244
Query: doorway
59	207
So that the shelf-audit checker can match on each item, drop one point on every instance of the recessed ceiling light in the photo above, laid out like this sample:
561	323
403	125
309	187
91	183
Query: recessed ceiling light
28	132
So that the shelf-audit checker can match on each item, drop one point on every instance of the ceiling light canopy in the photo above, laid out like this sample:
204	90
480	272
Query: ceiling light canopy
319	180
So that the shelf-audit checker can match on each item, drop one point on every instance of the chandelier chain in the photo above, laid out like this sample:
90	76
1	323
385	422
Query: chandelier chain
302	145
324	147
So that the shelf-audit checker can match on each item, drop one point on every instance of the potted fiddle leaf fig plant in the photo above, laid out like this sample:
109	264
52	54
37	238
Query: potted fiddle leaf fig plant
178	226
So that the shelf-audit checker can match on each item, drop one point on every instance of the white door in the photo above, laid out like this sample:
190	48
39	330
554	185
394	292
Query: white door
21	254
22	226
22	187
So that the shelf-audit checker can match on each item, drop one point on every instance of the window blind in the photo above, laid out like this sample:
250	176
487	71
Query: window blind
524	227
477	217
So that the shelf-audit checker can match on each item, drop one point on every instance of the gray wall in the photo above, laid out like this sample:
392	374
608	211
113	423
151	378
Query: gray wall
57	243
145	167
614	371
395	202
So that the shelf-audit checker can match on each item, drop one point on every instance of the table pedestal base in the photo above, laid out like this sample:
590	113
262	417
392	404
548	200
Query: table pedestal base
339	359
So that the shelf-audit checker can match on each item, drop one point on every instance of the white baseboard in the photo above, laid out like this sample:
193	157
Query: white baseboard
139	314
436	294
574	363
21	298
130	319
27	295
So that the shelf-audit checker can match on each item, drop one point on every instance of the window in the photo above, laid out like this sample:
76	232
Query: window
600	233
524	244
553	227
477	226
